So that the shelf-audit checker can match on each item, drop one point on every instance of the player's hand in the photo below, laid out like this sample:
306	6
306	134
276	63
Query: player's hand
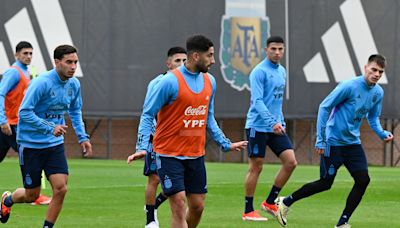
86	149
319	151
60	130
6	129
238	146
278	129
388	138
135	156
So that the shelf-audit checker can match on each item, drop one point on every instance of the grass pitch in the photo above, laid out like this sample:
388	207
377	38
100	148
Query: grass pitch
105	193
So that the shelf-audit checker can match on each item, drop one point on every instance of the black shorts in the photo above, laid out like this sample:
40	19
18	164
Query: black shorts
352	157
7	142
32	161
178	175
258	142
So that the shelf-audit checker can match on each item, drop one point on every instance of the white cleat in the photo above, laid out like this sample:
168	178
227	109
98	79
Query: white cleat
152	225
346	225
282	211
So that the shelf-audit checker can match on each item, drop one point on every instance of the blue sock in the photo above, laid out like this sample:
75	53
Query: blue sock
48	224
149	213
288	201
343	219
248	204
8	201
273	194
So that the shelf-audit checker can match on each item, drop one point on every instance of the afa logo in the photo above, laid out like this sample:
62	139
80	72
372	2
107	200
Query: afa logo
242	48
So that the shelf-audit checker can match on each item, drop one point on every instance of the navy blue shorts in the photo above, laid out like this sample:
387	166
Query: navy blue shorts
32	161
258	142
150	165
352	157
7	141
177	175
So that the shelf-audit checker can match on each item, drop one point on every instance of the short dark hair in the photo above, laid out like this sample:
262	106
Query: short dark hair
23	44
198	43
176	50
62	50
378	59
275	39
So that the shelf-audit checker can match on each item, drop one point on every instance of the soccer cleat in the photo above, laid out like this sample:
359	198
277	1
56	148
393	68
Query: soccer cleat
282	211
5	211
152	225
42	200
253	216
346	225
269	208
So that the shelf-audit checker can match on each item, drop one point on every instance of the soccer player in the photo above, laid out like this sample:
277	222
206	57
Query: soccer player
12	89
184	102
40	133
338	137
265	126
176	56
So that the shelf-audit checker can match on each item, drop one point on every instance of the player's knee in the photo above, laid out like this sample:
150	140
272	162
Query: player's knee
60	191
290	165
326	184
362	180
197	209
256	168
30	196
154	180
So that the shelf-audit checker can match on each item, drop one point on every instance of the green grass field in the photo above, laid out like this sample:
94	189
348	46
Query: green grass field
103	193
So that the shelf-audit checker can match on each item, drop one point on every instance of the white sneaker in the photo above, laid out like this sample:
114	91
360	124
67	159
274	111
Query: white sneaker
155	216
282	211
346	225
152	225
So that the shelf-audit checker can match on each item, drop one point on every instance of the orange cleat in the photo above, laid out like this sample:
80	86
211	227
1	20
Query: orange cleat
269	208
253	216
42	200
5	211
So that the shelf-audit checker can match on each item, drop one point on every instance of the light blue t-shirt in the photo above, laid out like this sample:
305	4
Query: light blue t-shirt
267	82
46	101
341	113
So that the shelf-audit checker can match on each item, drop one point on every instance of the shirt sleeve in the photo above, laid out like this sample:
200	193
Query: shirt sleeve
212	126
257	96
163	93
373	119
337	96
75	114
35	91
8	82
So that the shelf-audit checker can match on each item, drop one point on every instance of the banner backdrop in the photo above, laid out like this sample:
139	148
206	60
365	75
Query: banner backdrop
122	46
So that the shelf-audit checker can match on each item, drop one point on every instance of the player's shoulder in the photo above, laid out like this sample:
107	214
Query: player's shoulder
74	82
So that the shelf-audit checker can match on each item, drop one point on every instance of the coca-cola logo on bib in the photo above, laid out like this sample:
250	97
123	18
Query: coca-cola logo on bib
201	110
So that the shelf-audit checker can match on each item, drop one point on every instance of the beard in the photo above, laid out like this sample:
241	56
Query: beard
202	67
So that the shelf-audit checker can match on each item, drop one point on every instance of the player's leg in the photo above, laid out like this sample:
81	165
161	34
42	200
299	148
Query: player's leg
196	189
330	162
256	153
31	167
56	169
4	145
283	149
195	209
356	162
150	170
171	172
59	187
